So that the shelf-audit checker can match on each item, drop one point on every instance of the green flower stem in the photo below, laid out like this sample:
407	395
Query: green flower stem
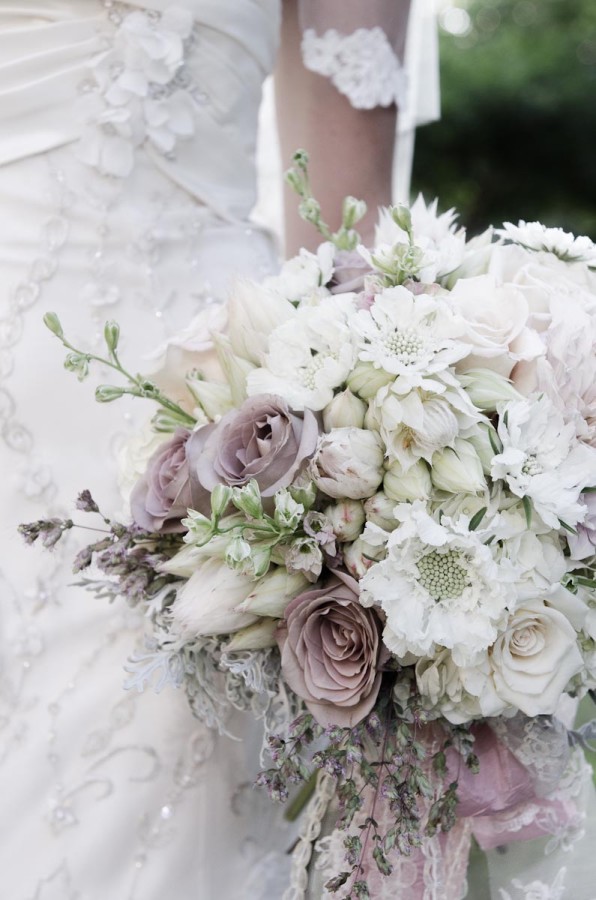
296	805
138	389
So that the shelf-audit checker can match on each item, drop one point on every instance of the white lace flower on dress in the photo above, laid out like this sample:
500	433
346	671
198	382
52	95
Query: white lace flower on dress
363	65
135	96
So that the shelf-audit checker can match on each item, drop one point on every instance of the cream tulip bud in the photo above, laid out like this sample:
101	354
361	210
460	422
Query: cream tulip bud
379	510
346	409
259	636
253	313
271	594
365	380
348	463
458	469
207	603
347	519
407	485
486	388
481	443
214	399
360	556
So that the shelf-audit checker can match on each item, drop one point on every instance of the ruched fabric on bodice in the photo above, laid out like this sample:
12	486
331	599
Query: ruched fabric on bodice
55	70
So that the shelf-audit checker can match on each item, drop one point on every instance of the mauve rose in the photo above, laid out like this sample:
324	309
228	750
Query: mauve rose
161	498
264	440
332	653
349	271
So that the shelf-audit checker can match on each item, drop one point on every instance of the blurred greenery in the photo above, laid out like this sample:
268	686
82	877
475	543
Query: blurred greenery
517	137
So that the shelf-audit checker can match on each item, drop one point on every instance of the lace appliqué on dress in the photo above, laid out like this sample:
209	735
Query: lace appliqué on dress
363	65
138	91
537	890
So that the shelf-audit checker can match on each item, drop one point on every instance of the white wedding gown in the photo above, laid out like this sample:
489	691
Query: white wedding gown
127	138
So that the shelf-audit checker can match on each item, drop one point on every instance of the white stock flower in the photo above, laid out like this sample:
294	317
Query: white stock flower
562	244
410	337
535	658
541	459
348	463
416	425
254	312
207	603
494	323
309	356
439	586
302	275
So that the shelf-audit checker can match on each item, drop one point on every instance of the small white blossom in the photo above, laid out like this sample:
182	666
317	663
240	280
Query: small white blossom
563	244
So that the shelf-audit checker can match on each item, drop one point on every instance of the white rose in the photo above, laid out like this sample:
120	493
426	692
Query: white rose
534	659
207	603
134	455
348	463
494	320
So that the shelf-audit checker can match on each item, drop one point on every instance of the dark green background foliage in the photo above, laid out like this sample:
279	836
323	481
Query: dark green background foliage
518	134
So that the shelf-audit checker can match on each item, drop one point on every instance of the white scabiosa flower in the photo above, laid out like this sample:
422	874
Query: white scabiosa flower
563	244
309	356
440	585
542	460
303	274
413	338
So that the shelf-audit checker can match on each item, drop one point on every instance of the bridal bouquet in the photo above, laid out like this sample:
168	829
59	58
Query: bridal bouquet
366	513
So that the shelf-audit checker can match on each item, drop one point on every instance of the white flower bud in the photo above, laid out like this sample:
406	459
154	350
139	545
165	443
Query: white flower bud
458	469
348	463
256	637
344	410
480	441
271	594
214	399
360	556
486	388
409	485
365	380
238	553
379	510
221	496
347	519
288	512
352	211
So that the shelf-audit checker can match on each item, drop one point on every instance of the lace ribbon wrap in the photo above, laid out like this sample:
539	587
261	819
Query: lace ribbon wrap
528	788
363	65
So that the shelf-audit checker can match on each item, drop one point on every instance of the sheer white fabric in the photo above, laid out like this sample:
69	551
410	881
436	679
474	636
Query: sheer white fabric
126	179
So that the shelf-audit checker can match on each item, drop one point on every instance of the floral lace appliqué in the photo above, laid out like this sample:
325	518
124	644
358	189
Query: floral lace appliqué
537	890
363	65
137	92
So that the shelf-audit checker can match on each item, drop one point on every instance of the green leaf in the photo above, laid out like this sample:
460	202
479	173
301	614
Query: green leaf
527	504
567	527
477	519
494	441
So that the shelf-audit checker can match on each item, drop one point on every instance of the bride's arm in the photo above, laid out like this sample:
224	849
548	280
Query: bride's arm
346	124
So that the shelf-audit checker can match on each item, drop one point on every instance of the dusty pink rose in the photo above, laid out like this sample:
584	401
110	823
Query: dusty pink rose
263	439
332	653
349	272
161	498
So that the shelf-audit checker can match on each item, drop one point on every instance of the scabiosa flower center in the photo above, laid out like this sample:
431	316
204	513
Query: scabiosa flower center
442	575
309	372
532	466
405	345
